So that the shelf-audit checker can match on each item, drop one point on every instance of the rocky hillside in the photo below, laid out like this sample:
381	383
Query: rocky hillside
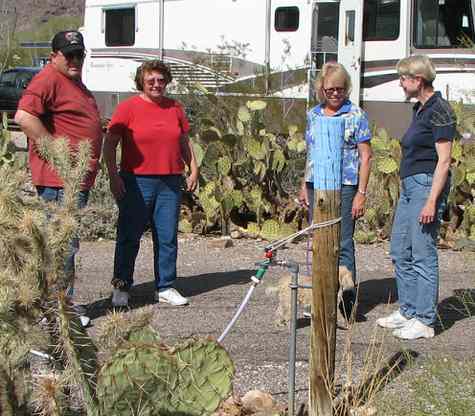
31	12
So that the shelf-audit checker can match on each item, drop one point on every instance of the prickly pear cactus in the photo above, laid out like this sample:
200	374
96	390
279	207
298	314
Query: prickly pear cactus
205	373
137	380
270	230
150	380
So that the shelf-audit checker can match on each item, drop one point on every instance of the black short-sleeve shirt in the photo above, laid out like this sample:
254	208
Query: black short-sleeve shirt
431	122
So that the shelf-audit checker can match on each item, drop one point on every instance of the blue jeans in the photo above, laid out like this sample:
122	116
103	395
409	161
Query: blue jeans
151	199
414	249
54	194
347	244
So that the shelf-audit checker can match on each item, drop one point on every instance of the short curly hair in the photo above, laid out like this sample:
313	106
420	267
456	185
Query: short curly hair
149	66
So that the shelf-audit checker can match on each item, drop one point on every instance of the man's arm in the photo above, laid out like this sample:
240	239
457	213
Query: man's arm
31	125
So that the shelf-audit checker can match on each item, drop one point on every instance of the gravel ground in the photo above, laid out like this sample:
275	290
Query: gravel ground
216	279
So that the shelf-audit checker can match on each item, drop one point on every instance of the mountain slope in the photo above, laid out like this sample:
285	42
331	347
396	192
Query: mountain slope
31	12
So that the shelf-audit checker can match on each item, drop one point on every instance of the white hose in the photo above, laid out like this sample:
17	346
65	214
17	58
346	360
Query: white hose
238	312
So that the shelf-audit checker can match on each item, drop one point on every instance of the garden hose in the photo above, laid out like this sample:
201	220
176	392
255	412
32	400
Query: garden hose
270	250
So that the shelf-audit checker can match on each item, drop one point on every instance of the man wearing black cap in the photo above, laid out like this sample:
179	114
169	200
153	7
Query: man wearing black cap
57	104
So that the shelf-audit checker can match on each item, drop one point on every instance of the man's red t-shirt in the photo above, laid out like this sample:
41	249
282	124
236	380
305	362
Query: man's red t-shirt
150	135
67	109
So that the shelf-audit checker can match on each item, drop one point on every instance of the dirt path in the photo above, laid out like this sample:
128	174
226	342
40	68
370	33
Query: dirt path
217	279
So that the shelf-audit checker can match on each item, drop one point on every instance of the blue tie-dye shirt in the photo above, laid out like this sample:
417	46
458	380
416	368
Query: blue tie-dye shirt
356	131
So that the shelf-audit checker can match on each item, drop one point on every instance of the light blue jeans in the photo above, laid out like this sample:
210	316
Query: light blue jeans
56	195
155	199
414	249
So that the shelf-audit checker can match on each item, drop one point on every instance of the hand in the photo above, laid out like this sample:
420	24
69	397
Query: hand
192	182
357	209
303	196
117	187
427	214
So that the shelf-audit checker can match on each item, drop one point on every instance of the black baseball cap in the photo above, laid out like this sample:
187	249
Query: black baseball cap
68	41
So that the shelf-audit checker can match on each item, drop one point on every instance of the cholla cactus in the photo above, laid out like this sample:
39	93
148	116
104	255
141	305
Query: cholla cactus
33	245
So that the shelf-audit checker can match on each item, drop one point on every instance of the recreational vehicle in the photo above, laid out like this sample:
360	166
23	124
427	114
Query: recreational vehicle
276	47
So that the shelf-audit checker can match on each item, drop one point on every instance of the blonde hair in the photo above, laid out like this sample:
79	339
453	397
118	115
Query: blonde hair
417	66
331	69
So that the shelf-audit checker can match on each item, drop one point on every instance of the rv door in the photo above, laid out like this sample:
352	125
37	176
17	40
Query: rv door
350	40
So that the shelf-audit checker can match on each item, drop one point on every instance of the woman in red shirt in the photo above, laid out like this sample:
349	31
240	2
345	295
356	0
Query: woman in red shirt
153	132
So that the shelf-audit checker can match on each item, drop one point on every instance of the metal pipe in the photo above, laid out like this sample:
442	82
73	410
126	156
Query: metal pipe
293	336
161	30
267	40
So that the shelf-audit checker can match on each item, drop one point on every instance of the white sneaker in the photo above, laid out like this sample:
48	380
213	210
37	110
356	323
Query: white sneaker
120	298
81	312
85	320
171	296
393	321
414	329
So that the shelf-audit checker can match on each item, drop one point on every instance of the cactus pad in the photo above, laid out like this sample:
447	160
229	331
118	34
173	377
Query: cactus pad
150	380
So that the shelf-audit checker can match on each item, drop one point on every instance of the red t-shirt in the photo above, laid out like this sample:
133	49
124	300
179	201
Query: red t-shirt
67	109
150	135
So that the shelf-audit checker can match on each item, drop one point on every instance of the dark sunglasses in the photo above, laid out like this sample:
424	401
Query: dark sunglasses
80	55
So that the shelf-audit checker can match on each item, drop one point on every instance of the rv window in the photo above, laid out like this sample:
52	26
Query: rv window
443	24
286	19
381	19
325	33
120	27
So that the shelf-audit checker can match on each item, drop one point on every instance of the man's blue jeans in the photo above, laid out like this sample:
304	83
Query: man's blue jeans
54	194
151	199
347	244
414	249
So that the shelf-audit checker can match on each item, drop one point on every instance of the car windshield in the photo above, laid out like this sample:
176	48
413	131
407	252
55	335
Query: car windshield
24	78
7	79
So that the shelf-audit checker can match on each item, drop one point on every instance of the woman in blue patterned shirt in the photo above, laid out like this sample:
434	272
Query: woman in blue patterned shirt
333	87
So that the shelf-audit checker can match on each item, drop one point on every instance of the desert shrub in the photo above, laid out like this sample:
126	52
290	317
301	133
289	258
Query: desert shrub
248	174
100	215
442	387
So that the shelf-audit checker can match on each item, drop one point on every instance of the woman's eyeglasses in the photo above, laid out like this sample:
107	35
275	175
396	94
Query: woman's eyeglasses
403	78
332	91
151	82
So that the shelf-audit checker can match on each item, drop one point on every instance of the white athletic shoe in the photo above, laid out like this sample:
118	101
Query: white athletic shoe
414	329
85	320
171	296
81	312
393	321
120	298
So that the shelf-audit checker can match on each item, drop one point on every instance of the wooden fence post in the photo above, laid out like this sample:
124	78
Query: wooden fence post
327	155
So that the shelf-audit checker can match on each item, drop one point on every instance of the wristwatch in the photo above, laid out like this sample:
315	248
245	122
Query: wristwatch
362	192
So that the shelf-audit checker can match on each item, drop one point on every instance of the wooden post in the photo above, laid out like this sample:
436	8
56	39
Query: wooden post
327	155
